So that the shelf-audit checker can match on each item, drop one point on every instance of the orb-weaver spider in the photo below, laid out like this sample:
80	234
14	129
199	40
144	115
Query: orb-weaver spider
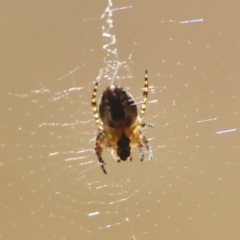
119	126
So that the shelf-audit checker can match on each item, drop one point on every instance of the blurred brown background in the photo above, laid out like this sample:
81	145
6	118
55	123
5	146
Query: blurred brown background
51	184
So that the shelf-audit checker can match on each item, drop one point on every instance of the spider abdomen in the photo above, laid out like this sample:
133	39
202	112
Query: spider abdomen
117	108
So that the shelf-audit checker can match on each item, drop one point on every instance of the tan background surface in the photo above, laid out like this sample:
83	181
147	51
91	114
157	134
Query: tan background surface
51	184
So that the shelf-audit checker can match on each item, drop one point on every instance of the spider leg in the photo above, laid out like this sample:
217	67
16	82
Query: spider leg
131	155
144	125
99	149
94	106
141	150
145	96
115	156
146	143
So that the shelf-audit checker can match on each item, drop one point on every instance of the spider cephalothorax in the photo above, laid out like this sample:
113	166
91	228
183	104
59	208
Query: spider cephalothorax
119	126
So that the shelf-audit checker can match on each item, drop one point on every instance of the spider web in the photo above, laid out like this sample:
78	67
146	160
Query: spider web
52	186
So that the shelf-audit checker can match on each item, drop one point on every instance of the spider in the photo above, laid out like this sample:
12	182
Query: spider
119	126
